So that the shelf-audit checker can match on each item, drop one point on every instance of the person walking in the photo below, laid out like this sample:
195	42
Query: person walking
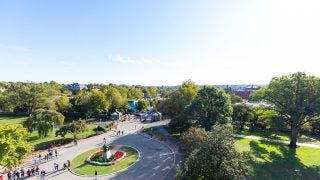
43	174
29	173
32	171
56	152
37	170
22	173
68	164
17	174
9	175
104	141
122	133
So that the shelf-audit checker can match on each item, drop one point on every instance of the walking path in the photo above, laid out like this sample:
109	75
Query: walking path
156	159
275	140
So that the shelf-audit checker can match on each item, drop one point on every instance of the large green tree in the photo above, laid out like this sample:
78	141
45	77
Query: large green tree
210	106
115	98
176	103
242	114
13	145
43	121
296	97
216	158
134	93
74	128
98	102
192	139
63	104
142	104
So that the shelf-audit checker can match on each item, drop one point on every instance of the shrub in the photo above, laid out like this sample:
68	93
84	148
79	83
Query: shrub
99	128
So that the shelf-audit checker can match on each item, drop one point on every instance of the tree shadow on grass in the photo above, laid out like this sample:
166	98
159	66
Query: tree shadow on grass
283	164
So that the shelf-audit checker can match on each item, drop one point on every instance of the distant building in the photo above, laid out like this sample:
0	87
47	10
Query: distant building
76	87
133	105
244	93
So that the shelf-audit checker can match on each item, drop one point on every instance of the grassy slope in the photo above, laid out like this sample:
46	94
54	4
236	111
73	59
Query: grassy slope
12	120
276	161
33	137
79	165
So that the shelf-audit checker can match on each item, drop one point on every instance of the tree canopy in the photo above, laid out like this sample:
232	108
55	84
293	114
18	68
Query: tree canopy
13	145
43	121
242	114
216	158
210	106
296	97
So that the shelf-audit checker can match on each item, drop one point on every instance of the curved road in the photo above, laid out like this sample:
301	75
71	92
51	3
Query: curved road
156	159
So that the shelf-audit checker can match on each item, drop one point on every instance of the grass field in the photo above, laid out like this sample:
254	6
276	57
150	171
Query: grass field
276	161
78	164
43	143
12	120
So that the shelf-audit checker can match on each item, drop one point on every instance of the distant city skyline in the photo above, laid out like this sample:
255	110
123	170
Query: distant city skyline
154	43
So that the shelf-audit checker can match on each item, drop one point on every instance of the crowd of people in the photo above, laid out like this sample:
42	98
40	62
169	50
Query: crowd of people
34	170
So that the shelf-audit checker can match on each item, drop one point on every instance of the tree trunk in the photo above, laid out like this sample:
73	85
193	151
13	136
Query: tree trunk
293	137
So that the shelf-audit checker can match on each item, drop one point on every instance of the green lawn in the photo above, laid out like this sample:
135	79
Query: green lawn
43	143
78	164
276	161
12	119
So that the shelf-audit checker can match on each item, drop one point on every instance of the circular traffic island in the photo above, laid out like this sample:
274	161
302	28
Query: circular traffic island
103	161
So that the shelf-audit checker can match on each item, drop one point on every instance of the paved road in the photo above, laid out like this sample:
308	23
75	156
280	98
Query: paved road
156	159
275	140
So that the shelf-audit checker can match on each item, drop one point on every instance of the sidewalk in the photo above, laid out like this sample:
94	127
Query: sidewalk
275	140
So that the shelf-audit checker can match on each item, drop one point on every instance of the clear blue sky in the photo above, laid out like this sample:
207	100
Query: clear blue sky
157	42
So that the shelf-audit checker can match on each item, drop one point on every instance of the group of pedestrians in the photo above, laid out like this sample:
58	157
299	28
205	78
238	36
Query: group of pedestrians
16	174
65	165
119	133
21	173
50	154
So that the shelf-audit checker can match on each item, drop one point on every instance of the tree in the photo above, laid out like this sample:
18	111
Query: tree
98	102
262	117
242	114
192	139
134	93
277	124
216	158
142	105
63	104
209	107
74	128
43	121
177	102
296	97
13	145
115	99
